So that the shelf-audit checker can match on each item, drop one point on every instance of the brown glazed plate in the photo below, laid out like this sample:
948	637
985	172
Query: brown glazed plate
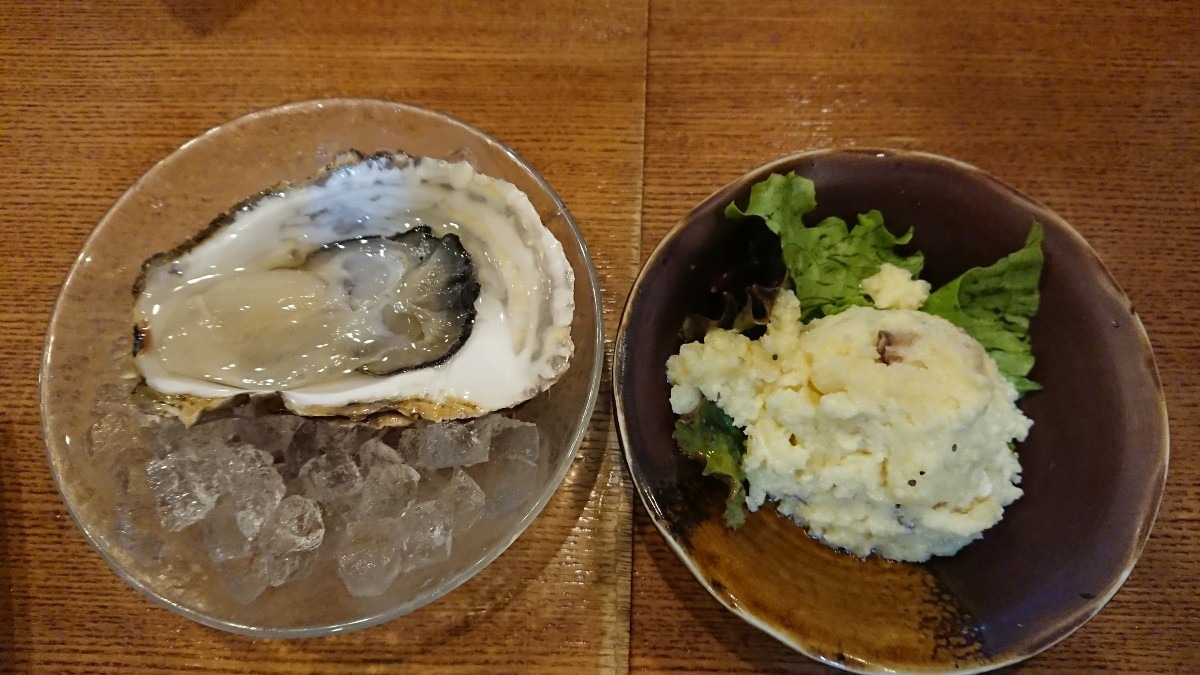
1093	465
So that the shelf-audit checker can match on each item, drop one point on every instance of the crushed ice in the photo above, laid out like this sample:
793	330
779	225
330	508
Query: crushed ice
270	494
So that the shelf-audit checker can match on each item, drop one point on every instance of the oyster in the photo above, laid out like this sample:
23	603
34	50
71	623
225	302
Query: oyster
388	283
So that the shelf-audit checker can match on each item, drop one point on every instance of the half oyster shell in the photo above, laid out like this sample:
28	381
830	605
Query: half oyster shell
387	283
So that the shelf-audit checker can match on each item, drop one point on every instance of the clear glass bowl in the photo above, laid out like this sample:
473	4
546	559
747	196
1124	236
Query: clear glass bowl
175	199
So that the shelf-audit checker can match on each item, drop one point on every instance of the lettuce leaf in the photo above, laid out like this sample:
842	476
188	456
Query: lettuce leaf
827	262
780	200
708	434
994	305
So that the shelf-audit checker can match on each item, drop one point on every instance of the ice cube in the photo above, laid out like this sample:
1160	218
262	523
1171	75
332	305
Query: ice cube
512	438
141	539
271	433
137	524
223	537
207	447
368	556
214	433
466	497
387	491
167	435
312	439
390	485
443	445
253	487
332	479
432	483
247	577
245	457
289	541
120	436
255	497
289	567
486	425
185	486
507	482
512	474
296	526
375	452
425	534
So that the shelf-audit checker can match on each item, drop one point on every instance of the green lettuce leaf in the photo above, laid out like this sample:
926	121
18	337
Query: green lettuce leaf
780	200
994	305
827	262
708	434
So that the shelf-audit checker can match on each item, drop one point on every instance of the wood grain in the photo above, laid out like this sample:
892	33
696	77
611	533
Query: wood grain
91	95
633	111
1090	108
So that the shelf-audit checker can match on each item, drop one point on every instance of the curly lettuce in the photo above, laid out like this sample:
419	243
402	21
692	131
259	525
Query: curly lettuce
709	435
995	304
827	262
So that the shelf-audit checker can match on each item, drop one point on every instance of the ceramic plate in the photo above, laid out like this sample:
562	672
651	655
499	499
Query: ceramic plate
1093	465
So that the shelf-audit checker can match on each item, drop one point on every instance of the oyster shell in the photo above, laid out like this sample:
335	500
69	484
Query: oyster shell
388	283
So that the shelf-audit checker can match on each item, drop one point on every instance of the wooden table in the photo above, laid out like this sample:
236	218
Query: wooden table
633	111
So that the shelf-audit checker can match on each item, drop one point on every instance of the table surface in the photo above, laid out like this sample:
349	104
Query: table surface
633	111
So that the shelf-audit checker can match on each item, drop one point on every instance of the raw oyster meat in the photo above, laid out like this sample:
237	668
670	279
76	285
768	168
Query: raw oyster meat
388	283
